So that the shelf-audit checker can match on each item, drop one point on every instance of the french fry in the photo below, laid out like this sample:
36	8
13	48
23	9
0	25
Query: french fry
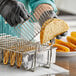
72	50
58	50
71	39
61	47
19	60
5	56
12	58
73	34
67	44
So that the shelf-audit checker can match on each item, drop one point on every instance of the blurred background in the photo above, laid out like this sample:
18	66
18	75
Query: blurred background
67	12
66	7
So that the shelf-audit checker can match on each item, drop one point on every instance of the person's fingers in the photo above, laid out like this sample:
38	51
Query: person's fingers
14	14
19	19
8	19
21	5
24	14
15	17
23	8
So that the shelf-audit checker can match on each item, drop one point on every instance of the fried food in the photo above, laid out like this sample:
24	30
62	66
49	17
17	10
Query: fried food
58	50
12	58
61	47
73	34
71	39
5	56
19	60
51	28
67	44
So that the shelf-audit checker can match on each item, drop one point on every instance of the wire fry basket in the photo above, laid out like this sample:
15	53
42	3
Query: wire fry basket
19	47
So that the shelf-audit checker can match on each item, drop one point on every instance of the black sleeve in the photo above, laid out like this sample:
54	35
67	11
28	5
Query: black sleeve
2	4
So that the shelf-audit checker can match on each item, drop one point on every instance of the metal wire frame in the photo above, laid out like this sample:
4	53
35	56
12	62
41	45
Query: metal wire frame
31	28
27	31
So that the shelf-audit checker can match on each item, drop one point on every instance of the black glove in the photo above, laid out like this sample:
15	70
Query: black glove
47	15
14	12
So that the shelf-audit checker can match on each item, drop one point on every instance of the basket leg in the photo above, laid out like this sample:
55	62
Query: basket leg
49	55
50	52
1	55
33	67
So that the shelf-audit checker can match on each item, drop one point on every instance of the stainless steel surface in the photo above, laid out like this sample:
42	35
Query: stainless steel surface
19	46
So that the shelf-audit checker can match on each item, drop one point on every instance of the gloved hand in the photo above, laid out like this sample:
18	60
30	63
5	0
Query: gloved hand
14	12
